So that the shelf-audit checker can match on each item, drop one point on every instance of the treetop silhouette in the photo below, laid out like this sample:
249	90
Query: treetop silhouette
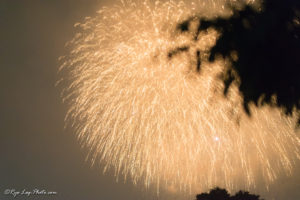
222	194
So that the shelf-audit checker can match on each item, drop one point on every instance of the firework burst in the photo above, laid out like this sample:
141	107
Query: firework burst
144	105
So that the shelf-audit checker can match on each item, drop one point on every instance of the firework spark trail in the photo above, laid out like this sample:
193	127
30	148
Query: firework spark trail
155	118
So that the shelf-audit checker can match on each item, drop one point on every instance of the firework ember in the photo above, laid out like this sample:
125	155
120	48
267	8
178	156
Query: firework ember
146	102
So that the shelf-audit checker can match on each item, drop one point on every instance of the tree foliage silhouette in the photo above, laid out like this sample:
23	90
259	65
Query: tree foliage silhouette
267	43
222	194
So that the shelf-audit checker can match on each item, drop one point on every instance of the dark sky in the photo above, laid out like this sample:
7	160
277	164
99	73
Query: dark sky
35	149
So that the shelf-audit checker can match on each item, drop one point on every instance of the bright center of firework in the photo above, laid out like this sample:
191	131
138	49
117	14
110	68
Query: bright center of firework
144	106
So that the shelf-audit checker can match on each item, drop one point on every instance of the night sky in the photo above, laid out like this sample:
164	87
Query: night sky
36	152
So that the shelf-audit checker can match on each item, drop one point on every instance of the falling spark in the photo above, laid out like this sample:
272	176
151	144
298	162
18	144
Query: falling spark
144	105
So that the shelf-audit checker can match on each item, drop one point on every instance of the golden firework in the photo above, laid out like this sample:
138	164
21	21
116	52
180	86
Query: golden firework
148	113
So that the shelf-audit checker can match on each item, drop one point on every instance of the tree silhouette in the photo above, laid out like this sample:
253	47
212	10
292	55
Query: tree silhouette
242	195
222	194
215	194
267	43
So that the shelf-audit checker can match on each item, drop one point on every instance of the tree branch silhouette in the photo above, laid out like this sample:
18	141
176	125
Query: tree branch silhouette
267	44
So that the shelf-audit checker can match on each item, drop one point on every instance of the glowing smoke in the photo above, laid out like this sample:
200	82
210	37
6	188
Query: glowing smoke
154	117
